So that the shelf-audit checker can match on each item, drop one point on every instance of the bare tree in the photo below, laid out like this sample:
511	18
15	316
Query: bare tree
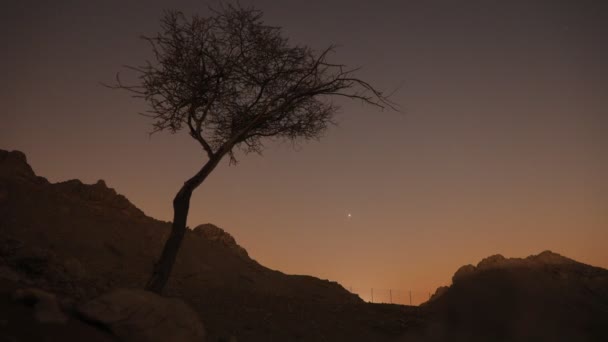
232	81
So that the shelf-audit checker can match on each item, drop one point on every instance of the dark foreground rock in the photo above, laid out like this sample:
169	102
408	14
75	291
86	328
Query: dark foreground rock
38	316
142	316
46	307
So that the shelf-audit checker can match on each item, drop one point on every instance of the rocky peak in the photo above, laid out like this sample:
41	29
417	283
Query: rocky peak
493	261
13	164
550	258
463	272
213	233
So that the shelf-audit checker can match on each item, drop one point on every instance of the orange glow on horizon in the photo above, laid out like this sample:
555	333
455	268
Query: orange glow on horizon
501	147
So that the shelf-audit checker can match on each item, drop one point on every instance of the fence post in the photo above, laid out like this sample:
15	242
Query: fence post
372	294
410	297
390	293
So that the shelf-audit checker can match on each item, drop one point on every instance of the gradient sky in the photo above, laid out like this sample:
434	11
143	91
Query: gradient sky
501	146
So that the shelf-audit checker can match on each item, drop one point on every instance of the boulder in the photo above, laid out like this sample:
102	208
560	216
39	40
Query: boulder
441	290
493	262
463	272
46	306
142	316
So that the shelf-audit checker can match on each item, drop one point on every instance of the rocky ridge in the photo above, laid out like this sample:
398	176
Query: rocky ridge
497	261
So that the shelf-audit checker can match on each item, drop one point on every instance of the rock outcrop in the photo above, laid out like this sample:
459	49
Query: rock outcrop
463	272
497	262
213	233
544	297
14	166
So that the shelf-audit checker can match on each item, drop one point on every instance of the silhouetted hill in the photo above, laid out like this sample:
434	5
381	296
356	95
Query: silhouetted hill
80	241
544	297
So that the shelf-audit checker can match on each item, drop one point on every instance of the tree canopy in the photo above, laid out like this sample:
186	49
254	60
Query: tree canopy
231	81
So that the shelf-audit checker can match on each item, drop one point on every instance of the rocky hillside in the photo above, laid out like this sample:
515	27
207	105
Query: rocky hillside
80	241
544	297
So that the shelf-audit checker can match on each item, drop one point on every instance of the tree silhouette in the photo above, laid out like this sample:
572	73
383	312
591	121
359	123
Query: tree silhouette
232	82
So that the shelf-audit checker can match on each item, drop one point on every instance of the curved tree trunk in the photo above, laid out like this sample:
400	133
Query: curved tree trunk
181	205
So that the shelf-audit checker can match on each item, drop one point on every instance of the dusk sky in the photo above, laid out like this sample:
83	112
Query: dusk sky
501	145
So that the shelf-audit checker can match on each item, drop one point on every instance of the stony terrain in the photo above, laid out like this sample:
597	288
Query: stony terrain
81	241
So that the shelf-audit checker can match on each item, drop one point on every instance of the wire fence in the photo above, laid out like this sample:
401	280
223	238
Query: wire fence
391	296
